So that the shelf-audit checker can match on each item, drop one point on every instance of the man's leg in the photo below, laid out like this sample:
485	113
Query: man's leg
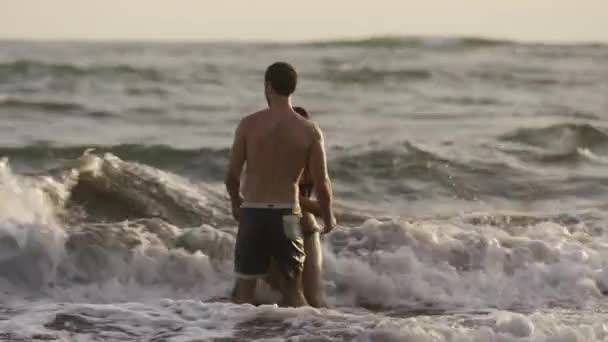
273	277
251	255
244	291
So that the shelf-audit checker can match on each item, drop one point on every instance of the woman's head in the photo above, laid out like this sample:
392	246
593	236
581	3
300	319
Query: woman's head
302	112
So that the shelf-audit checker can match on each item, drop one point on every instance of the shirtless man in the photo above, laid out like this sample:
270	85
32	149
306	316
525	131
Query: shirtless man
276	144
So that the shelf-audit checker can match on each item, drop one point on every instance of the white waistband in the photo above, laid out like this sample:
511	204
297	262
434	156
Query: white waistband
259	205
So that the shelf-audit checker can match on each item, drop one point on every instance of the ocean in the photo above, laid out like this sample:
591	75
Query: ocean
470	178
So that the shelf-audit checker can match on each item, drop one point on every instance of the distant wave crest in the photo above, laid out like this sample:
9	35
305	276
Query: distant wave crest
574	135
399	41
372	75
27	67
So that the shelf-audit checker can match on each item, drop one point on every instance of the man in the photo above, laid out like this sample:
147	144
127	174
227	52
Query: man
276	144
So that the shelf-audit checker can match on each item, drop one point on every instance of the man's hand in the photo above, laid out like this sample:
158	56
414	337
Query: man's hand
235	166
236	213
236	208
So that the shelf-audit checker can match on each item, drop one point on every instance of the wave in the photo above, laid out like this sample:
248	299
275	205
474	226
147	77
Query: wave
204	162
560	145
181	236
412	173
382	41
518	78
469	101
96	211
405	171
51	106
401	173
116	190
589	155
478	41
113	219
567	135
395	41
64	108
400	41
373	75
29	68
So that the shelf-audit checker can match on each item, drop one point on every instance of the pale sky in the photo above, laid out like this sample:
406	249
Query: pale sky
536	20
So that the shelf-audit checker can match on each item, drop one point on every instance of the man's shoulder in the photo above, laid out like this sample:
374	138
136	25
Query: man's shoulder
307	124
255	115
314	129
249	118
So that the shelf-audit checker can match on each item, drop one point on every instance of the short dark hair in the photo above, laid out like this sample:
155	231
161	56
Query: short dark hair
303	112
282	77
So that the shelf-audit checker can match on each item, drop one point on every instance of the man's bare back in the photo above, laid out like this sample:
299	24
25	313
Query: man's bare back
278	148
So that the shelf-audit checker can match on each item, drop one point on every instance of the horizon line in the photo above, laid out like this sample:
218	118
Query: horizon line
309	41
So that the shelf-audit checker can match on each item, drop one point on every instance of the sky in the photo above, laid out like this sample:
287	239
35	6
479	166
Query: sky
287	20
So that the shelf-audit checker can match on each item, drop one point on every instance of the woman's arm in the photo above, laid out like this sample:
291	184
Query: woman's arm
310	206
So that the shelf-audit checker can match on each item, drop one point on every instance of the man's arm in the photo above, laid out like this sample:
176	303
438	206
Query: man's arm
235	167
317	164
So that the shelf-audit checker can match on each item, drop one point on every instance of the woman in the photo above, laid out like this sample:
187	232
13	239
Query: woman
311	275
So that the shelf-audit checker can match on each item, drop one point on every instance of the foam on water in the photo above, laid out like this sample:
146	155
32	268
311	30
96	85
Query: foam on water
32	241
185	320
459	264
478	277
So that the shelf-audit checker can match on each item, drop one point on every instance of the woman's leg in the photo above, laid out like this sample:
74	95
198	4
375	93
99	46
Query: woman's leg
311	276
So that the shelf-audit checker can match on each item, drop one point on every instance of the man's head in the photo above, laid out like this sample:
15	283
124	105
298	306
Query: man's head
280	80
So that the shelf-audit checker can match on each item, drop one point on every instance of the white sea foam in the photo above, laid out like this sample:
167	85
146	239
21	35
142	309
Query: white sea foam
32	241
455	264
184	320
462	269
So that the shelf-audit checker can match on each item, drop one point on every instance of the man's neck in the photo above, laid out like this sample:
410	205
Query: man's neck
281	104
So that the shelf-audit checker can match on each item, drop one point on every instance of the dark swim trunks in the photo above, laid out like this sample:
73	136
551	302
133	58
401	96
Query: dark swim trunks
265	234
